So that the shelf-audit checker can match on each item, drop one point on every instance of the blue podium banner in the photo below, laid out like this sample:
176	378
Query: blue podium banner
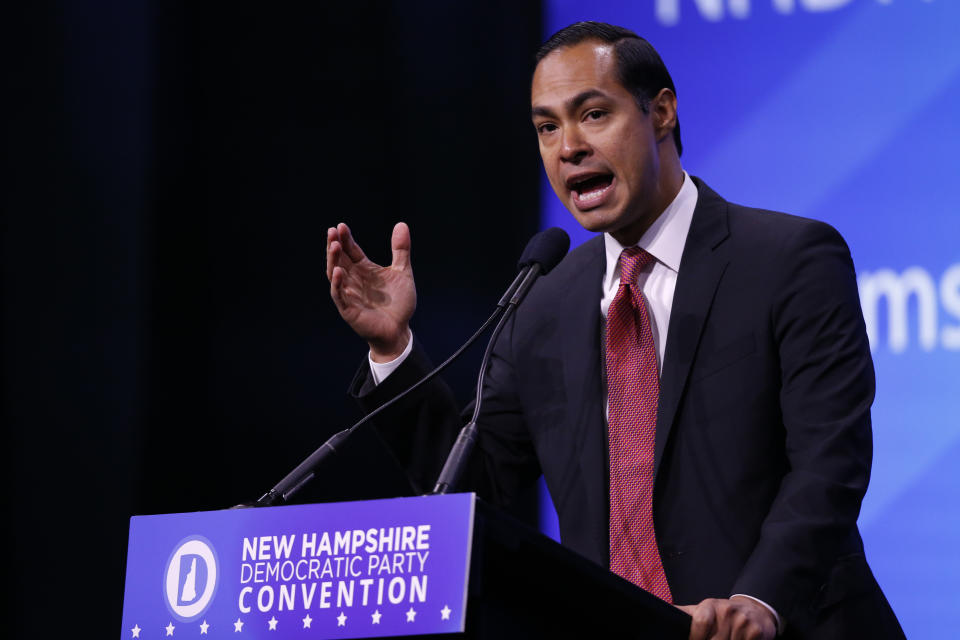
344	570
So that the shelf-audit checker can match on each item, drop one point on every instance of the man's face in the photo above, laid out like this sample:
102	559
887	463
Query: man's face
599	148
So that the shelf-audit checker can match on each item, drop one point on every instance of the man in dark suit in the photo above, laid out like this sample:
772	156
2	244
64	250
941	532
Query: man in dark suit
747	448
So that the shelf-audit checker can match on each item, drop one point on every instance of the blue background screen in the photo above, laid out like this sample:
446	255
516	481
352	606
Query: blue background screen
846	111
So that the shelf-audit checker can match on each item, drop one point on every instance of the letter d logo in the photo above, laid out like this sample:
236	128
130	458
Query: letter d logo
190	579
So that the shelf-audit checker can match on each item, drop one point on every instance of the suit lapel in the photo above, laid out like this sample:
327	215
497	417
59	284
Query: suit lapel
584	382
701	269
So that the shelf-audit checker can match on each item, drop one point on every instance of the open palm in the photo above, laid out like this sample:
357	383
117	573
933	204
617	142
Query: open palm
377	302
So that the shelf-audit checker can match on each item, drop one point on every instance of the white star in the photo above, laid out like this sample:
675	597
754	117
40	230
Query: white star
203	628
135	631
170	628
376	616
411	614
307	621
238	625
445	613
272	622
341	620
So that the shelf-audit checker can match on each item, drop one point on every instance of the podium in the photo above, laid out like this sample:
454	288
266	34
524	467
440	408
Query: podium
434	566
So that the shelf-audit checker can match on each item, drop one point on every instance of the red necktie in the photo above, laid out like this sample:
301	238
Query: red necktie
633	390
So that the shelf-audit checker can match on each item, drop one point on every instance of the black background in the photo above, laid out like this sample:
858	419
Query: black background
171	168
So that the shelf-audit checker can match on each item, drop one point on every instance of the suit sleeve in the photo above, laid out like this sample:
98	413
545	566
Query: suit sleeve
827	387
421	429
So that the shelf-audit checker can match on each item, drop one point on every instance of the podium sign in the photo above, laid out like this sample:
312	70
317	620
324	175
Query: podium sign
345	570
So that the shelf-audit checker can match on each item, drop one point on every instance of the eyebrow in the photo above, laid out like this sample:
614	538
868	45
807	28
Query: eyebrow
572	104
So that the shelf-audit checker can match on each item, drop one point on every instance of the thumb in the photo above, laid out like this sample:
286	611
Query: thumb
400	244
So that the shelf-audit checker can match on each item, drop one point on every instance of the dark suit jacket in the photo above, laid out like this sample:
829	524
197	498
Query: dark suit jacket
763	444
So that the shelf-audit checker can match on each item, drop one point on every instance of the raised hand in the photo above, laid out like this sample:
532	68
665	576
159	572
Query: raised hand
377	302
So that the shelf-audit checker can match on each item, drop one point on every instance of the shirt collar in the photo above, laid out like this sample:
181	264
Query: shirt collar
665	238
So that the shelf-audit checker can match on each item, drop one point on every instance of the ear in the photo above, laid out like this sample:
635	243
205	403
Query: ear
663	111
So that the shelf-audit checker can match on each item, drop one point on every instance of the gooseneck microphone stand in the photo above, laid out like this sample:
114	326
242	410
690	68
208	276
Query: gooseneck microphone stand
541	254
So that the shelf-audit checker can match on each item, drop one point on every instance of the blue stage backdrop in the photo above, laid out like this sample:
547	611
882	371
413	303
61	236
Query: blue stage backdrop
847	111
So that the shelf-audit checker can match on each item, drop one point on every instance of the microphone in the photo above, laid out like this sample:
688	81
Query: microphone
542	253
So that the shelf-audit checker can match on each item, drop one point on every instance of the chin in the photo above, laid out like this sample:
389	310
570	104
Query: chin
594	222
593	226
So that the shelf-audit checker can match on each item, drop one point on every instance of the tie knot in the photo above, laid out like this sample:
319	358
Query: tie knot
632	260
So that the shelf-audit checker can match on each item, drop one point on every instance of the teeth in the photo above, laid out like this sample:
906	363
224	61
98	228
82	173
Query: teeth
592	195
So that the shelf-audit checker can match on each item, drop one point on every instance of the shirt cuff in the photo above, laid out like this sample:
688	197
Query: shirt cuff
380	370
776	616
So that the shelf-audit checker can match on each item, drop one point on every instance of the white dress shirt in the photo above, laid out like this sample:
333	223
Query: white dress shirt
664	240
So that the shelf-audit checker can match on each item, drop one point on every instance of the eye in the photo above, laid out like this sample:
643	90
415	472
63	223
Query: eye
546	127
595	114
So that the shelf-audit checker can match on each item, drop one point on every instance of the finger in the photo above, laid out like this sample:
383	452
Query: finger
703	622
723	619
336	258
332	239
743	628
337	287
690	610
350	247
400	245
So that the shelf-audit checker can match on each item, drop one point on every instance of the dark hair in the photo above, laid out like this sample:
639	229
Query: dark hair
639	67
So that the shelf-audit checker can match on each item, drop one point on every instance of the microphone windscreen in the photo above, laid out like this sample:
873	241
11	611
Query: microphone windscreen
547	249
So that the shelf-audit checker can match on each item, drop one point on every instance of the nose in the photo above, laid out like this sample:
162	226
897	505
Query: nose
573	146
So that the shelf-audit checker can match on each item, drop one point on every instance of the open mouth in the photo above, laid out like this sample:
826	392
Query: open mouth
591	190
